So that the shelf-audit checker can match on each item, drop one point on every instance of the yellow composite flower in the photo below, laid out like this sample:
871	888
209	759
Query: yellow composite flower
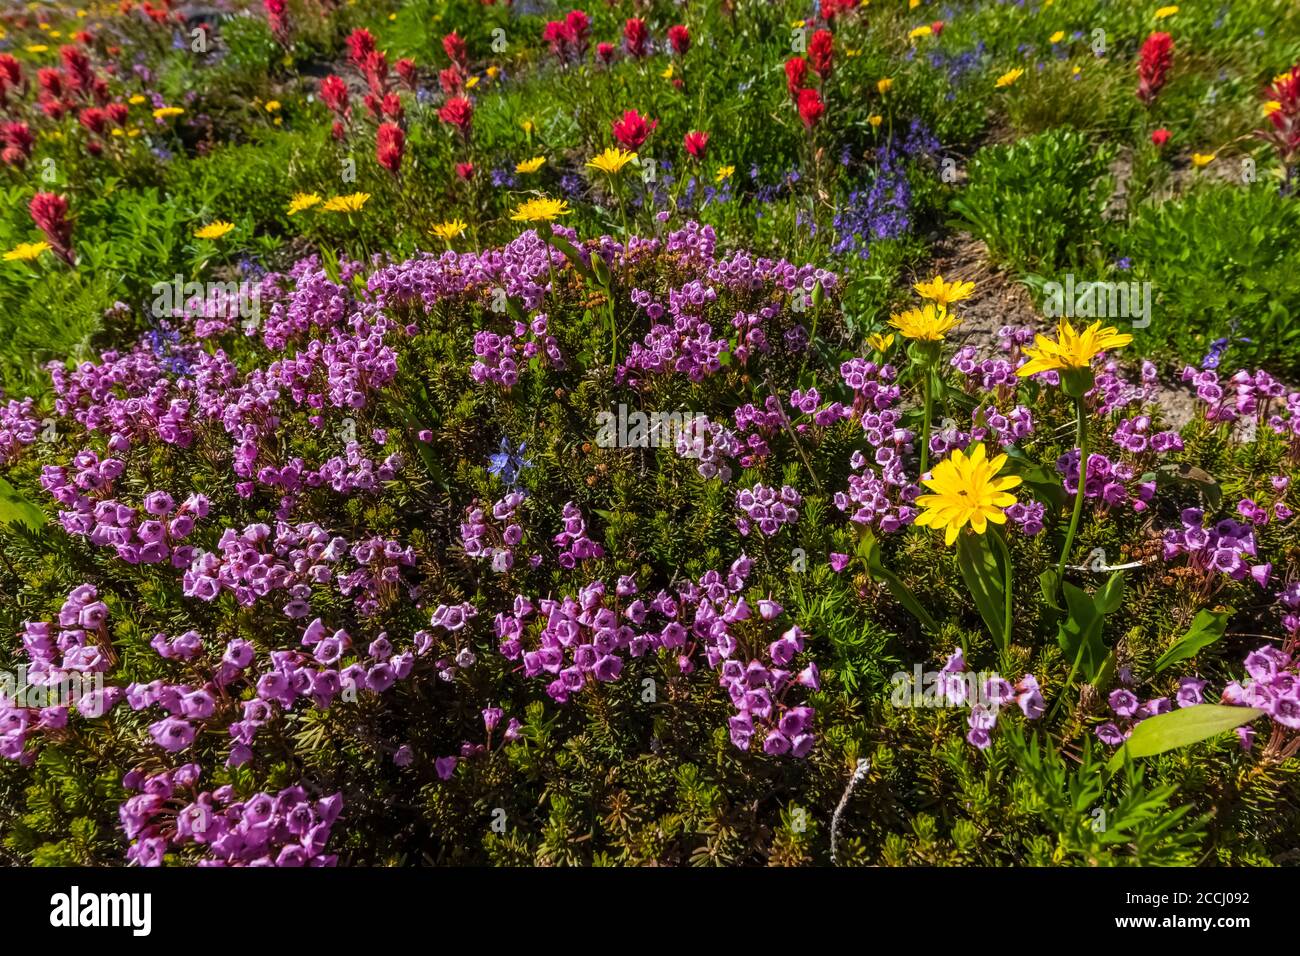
879	342
303	201
527	127
350	203
1168	11
1071	349
922	31
967	492
530	165
272	106
875	119
929	323
137	99
541	209
944	294
1056	37
26	251
884	85
724	172
36	48
165	112
471	83
1202	159
611	161
1271	107
492	72
913	4
448	231
214	230
668	73
1009	77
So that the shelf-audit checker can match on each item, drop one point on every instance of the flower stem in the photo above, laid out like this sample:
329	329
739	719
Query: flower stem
1082	440
925	425
1007	597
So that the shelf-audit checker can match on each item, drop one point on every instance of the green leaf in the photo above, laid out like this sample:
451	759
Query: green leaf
1042	482
1207	628
869	552
1079	635
15	508
981	569
1182	473
1178	728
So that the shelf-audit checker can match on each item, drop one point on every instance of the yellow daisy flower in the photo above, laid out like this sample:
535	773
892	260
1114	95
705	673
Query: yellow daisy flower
929	323
875	119
303	201
272	106
136	100
1071	350
1202	159
611	161
967	493
1056	37
166	112
214	230
1166	12
530	165
1009	77
26	251
351	203
448	231
1271	107
884	85
922	31
880	343
944	294
724	172
541	209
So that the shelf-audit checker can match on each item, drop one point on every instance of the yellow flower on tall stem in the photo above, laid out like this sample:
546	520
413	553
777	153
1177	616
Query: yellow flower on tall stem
967	492
1009	77
944	294
447	231
929	323
1071	355
349	204
530	165
611	161
302	201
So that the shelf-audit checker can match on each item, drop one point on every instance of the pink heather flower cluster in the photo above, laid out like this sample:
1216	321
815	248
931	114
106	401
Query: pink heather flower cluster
573	543
281	829
153	537
61	655
483	540
585	639
711	444
996	692
1112	392
1274	686
19	427
1129	711
1245	395
1227	547
767	508
1107	482
1134	436
499	356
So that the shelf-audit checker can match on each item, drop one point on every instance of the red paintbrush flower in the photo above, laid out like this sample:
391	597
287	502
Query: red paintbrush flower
11	70
376	70
450	80
696	143
560	38
820	52
458	112
632	129
811	107
277	18
679	38
390	143
1283	111
391	106
605	53
51	82
406	70
1154	61
50	213
454	46
1160	136
118	112
93	119
580	29
77	67
465	171
636	37
796	75
18	136
334	94
361	43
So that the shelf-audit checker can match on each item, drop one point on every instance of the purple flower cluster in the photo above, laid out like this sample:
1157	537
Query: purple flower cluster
1129	711
573	542
149	538
767	508
1227	547
282	829
19	427
487	542
995	692
1107	481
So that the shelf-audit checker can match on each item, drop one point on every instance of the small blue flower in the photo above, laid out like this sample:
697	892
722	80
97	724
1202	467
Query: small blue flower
508	464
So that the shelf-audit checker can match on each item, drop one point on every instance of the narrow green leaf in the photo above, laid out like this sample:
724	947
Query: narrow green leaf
981	569
1207	627
1178	728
